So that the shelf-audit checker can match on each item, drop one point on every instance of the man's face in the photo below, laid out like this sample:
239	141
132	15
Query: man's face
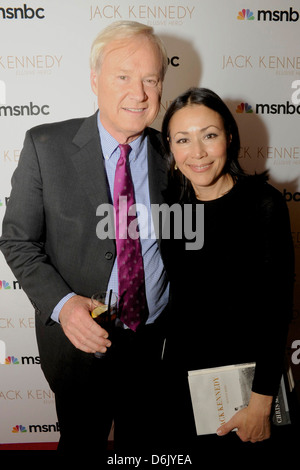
128	86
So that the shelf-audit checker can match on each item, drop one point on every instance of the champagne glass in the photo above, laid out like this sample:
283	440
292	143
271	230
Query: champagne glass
104	310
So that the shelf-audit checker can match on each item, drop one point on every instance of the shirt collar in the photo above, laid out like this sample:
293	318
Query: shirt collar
110	145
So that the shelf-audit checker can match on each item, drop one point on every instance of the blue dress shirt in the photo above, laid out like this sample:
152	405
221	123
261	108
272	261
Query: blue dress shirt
157	287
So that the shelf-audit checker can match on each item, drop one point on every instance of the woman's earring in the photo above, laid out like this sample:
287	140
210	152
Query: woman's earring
175	166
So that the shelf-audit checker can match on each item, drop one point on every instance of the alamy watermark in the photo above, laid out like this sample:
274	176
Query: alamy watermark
296	94
296	354
164	221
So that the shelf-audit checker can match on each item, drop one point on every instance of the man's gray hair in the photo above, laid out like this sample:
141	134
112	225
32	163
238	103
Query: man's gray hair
124	30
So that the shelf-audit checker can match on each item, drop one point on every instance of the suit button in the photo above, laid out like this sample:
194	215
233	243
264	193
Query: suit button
108	255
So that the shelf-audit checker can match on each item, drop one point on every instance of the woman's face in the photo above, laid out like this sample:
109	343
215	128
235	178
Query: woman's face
199	144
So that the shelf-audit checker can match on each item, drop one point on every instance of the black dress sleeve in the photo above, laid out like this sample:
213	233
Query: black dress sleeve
275	297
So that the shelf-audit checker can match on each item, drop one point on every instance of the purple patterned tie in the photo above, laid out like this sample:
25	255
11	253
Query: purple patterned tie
132	296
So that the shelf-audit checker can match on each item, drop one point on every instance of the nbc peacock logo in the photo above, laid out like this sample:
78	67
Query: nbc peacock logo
11	361
19	428
244	108
4	285
245	14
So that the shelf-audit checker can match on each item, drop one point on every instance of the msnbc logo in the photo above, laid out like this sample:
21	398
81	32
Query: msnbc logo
19	428
36	428
270	15
244	108
24	360
245	15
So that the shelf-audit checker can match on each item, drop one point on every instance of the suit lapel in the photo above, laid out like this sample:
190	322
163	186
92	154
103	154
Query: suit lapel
157	168
158	175
89	164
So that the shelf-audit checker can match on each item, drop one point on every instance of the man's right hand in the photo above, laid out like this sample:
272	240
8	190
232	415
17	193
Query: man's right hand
83	332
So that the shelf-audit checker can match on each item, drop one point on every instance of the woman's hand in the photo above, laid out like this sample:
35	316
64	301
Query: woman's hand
253	422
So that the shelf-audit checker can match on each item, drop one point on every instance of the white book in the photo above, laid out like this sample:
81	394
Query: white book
218	393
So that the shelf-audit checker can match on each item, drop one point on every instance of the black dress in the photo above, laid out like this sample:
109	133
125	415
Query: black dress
231	301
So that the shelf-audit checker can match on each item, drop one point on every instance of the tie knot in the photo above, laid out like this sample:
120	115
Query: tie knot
125	149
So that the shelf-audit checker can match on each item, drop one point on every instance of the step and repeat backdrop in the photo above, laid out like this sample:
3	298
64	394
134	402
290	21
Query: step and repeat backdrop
248	51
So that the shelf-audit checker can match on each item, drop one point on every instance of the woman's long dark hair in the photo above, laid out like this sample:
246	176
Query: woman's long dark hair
206	97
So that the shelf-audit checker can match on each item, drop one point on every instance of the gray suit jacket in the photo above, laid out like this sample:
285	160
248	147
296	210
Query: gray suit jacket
49	230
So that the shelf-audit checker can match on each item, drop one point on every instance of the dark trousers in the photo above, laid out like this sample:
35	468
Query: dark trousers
125	387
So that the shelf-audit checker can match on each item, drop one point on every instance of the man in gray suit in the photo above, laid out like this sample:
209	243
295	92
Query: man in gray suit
65	173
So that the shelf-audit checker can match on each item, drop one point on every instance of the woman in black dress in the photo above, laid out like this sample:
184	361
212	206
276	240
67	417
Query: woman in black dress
231	300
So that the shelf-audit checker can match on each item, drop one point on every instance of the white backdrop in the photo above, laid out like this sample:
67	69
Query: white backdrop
251	61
